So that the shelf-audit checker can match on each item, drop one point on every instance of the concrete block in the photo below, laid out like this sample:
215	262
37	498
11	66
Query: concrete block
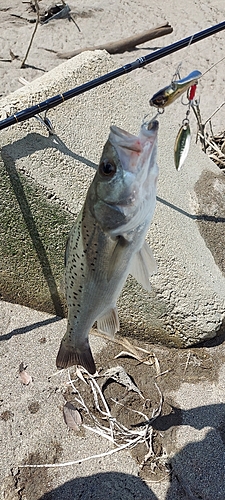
187	302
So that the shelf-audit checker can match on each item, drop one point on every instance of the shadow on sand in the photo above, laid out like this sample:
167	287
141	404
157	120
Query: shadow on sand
197	470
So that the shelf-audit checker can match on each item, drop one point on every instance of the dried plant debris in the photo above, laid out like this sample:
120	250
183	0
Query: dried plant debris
32	37
12	55
216	149
118	374
56	11
72	417
100	414
136	352
24	377
120	404
212	144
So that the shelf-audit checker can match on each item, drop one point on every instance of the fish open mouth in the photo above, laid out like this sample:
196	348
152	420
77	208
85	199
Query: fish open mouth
121	138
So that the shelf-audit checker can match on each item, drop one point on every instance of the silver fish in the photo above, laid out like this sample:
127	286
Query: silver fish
107	241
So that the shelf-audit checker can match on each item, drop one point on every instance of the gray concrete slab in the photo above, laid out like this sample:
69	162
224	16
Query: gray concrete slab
187	303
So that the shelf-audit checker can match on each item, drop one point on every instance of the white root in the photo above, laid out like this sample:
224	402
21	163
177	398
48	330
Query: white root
116	432
81	460
163	373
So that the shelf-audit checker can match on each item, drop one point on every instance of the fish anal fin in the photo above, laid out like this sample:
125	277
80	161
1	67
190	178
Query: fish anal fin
108	323
69	355
143	266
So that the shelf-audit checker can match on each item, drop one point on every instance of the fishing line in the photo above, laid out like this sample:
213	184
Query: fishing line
177	73
213	66
177	64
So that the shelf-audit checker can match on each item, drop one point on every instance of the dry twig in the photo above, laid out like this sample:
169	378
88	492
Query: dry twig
35	29
213	145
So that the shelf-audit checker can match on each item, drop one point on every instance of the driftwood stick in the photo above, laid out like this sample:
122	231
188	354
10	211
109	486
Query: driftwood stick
35	29
125	44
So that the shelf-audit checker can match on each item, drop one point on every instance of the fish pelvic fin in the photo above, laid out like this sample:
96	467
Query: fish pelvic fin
69	355
108	323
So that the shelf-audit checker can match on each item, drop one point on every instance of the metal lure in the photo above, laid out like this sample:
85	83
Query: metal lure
168	94
181	146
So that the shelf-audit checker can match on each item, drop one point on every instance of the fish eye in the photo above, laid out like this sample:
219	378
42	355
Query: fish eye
107	169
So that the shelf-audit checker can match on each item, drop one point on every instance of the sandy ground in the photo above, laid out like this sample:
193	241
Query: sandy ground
101	22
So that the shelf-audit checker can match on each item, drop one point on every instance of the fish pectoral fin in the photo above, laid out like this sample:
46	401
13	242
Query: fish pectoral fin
117	256
108	323
143	266
69	355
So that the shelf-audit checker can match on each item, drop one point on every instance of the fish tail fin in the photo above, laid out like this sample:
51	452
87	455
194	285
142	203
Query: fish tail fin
69	355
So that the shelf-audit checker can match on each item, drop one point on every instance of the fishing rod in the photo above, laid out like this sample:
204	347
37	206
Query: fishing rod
27	113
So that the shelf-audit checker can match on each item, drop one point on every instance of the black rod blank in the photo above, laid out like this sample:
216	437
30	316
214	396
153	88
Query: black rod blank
27	113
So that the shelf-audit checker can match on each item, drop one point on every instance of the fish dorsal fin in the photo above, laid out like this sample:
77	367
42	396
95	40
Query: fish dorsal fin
143	266
108	323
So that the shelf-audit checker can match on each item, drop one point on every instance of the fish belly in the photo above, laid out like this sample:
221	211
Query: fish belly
92	287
